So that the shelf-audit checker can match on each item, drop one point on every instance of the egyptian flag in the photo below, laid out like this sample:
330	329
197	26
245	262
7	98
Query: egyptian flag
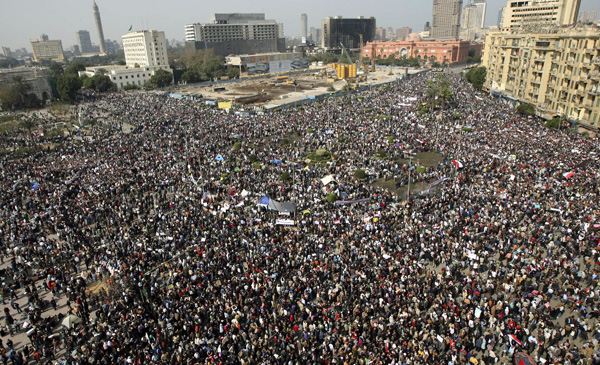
512	339
457	164
568	175
522	358
420	141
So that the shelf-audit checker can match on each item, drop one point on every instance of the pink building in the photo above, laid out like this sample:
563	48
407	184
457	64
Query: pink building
450	51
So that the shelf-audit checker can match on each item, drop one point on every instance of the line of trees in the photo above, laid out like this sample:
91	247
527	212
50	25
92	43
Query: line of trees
191	66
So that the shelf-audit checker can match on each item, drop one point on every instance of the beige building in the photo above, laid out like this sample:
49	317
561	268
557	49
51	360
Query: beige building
558	72
45	49
446	19
523	13
145	48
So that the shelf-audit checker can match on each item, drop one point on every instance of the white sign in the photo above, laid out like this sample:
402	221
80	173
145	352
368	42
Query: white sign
284	222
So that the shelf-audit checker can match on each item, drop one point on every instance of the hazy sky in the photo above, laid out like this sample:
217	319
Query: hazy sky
61	19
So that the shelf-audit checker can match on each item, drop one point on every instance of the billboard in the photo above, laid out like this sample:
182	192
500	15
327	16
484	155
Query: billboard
274	63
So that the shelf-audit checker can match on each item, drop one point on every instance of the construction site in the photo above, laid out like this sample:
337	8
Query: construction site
271	91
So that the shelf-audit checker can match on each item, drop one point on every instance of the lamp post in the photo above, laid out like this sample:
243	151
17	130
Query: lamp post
409	168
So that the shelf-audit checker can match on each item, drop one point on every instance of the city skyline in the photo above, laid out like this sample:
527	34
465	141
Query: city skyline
117	17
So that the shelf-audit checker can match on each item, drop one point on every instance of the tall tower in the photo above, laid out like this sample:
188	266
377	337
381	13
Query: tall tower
303	25
99	28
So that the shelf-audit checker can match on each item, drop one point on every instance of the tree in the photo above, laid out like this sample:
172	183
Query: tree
131	87
74	68
9	98
161	78
68	86
191	76
233	73
526	109
28	124
553	123
99	83
32	101
56	69
476	77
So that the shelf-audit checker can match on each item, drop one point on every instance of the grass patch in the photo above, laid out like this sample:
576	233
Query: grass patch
467	129
422	169
360	174
319	155
331	197
257	165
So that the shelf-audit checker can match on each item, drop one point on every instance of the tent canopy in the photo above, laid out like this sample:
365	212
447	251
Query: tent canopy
282	207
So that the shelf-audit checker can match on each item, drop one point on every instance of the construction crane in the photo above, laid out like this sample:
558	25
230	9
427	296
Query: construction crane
345	51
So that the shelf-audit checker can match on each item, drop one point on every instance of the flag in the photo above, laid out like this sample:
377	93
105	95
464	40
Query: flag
130	27
420	141
568	175
457	164
512	339
436	182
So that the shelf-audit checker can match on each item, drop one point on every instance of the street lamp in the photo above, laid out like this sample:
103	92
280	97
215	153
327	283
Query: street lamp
409	168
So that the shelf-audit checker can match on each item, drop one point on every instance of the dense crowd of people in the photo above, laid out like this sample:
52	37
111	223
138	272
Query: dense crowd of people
499	259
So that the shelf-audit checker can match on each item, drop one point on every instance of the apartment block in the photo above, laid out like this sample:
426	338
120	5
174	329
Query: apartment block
557	71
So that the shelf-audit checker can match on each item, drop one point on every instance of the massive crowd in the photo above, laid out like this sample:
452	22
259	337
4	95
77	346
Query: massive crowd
498	260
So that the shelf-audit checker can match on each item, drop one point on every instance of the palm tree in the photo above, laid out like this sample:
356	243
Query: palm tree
28	124
21	87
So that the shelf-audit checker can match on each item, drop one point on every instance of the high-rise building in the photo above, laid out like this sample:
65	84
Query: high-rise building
336	31
45	49
304	26
226	34
587	16
6	52
381	34
427	26
523	13
473	18
500	16
145	48
557	71
446	19
389	33
481	11
315	35
402	33
84	41
99	28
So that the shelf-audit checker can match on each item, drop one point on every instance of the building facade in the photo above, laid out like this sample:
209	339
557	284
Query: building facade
35	77
524	13
558	72
451	51
45	49
336	31
145	48
236	34
402	33
446	19
84	41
